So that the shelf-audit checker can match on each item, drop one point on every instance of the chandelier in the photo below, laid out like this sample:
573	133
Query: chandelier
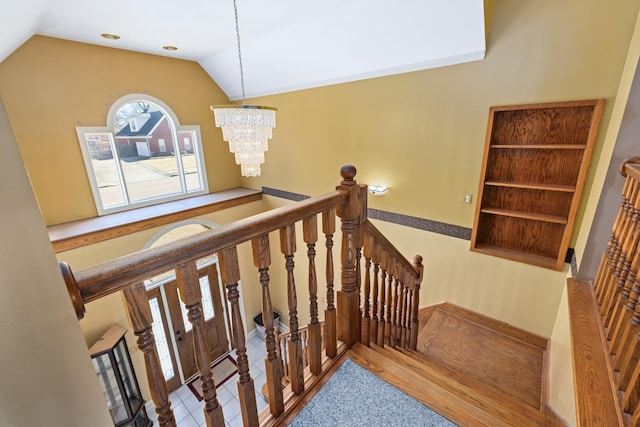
247	128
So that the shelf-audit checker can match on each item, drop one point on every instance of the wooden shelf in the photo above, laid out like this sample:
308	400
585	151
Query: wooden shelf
534	166
514	255
540	146
544	187
526	215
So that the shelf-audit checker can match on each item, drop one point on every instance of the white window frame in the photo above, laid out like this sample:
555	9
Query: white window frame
108	129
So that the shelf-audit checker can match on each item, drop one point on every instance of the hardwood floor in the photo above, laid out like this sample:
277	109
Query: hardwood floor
471	369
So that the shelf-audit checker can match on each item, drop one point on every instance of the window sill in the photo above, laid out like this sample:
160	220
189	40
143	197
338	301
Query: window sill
85	232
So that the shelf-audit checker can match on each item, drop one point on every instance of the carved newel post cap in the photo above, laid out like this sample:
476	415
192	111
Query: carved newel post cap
348	172
417	260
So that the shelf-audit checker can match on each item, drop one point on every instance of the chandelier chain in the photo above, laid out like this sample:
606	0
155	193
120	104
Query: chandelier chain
235	11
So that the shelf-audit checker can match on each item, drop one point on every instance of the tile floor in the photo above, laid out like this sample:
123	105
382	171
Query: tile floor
189	412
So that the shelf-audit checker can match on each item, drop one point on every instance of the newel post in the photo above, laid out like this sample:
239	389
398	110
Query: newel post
347	299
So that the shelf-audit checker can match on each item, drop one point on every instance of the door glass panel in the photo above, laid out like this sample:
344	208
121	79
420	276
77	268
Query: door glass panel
207	304
161	340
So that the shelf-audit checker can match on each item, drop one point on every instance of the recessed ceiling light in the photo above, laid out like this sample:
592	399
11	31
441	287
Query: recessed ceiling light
110	36
169	48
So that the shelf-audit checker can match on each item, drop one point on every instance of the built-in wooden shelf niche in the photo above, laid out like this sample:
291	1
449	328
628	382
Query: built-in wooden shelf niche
534	166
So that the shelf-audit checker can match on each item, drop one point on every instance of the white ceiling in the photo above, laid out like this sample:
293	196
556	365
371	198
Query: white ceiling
286	44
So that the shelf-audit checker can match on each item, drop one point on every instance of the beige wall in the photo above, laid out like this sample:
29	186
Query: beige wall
421	133
50	86
46	371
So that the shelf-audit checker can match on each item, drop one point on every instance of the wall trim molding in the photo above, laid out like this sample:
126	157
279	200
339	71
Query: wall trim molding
392	217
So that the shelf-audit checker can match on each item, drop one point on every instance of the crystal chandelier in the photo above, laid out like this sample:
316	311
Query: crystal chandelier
247	128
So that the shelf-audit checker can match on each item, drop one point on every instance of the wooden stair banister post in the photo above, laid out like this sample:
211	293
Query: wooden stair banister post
382	305
375	252
296	365
141	319
348	296
366	317
273	372
188	281
329	228
415	302
310	235
230	272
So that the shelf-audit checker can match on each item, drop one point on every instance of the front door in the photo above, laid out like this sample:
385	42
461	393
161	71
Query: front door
179	349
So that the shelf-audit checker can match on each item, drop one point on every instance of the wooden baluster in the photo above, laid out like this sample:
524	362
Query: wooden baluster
415	302
635	416
348	295
141	320
389	326
273	371
395	309
403	318
230	272
296	366
617	260
329	228
629	357
382	299
622	313
604	281
631	395
188	281
627	254
310	234
366	318
374	292
620	335
359	243
606	258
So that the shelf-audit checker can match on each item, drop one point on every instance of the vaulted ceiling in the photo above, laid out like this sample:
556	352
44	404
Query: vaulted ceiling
286	44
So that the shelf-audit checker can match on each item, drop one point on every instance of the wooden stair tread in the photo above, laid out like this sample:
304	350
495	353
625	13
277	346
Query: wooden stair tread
499	361
481	394
444	395
417	361
425	313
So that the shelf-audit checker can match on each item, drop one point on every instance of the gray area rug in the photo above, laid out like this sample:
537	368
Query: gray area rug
354	396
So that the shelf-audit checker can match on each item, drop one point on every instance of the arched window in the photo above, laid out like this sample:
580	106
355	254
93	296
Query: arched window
142	157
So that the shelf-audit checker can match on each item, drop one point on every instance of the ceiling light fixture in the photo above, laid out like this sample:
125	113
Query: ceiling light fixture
110	36
169	48
247	128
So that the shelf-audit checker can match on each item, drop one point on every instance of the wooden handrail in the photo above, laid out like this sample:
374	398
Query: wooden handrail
305	345
605	321
386	246
596	401
112	276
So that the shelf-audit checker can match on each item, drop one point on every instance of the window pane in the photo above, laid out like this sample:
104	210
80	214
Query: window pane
161	340
146	148
148	178
143	157
104	168
189	160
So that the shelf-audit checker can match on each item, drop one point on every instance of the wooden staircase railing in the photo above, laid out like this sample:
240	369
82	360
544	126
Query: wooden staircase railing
394	295
605	321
